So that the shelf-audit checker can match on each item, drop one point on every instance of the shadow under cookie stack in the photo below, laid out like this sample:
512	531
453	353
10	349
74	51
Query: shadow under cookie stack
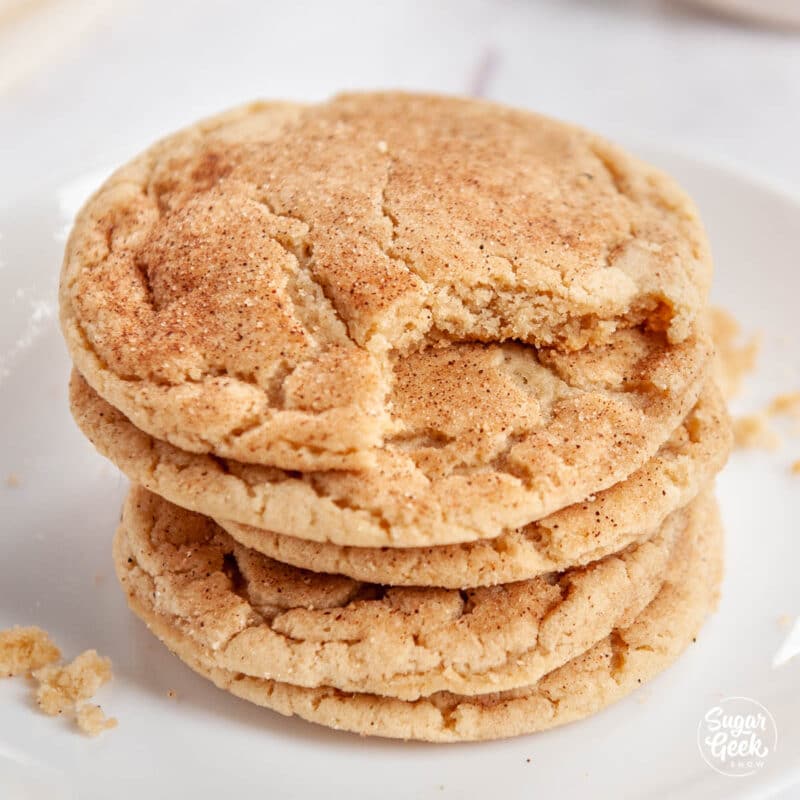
415	395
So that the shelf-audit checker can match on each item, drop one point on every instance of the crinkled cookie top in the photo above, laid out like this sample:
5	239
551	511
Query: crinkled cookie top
269	619
244	286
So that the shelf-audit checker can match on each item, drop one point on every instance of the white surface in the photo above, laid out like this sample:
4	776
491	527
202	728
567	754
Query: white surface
56	572
651	69
640	71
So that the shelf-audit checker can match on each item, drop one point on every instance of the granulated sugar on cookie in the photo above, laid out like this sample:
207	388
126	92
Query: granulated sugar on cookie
607	522
268	619
419	401
490	438
246	287
609	670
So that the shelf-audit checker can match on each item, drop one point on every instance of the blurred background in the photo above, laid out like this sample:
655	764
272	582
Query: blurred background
86	83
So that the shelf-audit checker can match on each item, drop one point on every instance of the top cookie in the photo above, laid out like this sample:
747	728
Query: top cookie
245	286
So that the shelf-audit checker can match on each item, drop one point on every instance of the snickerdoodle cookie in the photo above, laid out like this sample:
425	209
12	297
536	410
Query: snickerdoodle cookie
270	620
613	667
253	286
492	438
609	521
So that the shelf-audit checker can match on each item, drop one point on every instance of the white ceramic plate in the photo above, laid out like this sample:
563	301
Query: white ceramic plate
56	572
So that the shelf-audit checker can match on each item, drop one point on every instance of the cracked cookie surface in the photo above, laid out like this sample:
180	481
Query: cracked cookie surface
252	286
611	520
488	438
270	620
610	669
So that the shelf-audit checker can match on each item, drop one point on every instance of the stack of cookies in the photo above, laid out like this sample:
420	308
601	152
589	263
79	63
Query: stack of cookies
415	396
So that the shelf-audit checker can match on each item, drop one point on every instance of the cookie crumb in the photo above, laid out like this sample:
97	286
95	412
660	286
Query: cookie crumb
754	430
12	480
172	694
787	404
734	361
62	688
23	650
92	721
795	468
